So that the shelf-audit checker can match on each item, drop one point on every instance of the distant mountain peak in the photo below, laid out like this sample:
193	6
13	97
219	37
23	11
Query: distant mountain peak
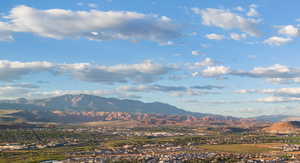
85	102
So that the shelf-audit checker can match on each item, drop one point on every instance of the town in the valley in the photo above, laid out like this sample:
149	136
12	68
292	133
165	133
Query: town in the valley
110	142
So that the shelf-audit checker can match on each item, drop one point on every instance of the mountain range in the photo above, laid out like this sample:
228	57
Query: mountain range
83	102
91	103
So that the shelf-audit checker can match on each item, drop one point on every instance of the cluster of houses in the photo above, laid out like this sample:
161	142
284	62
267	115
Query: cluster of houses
16	146
179	158
162	152
165	153
291	148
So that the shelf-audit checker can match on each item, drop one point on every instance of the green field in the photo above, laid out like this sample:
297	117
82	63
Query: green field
180	140
35	156
240	148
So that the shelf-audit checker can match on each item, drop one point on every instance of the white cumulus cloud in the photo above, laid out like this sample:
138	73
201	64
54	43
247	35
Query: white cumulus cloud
214	36
196	53
227	20
145	72
252	12
288	30
277	41
236	36
92	25
203	63
213	71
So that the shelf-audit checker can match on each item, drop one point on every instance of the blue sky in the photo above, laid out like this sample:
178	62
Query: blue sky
226	57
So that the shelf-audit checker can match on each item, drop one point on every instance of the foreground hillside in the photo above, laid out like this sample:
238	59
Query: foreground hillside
287	127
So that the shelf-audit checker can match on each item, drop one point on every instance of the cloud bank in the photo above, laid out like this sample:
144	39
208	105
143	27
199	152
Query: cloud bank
92	25
145	72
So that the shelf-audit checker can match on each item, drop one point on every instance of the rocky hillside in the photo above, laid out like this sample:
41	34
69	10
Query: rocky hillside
287	127
143	119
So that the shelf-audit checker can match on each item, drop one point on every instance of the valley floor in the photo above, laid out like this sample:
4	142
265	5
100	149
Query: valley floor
144	144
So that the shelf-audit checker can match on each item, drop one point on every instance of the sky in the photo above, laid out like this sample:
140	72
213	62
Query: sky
238	58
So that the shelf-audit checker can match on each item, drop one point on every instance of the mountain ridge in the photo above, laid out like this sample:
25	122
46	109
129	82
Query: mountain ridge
84	102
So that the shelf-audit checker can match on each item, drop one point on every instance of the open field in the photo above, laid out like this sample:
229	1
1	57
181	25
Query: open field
180	140
8	111
138	141
111	124
241	148
32	156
